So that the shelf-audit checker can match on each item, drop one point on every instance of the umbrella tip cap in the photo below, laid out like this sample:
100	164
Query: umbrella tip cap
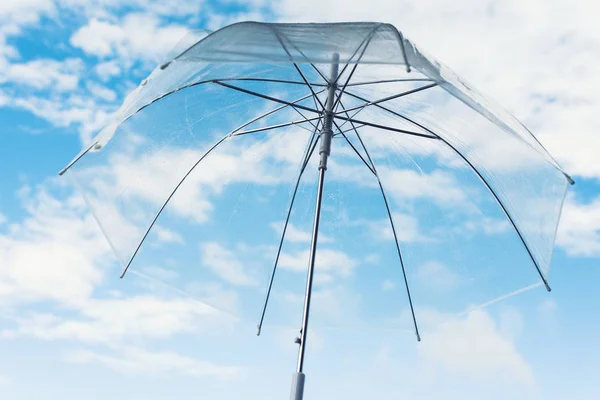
569	179
418	337
548	288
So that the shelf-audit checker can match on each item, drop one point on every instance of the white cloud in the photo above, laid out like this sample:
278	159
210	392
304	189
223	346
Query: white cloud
45	269
106	321
4	99
166	235
510	323
579	229
322	278
216	295
109	8
236	162
407	228
135	360
159	273
25	10
388	285
98	38
101	92
64	112
473	347
487	225
548	308
327	261
3	218
118	186
107	70
57	254
569	139
438	186
61	76
549	313
137	37
225	265
48	88
471	39
437	276
15	15
333	306
372	258
53	254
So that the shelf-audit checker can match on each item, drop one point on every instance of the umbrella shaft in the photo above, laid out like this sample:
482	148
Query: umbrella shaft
327	132
324	151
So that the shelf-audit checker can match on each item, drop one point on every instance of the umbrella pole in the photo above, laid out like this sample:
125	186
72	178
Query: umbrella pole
324	151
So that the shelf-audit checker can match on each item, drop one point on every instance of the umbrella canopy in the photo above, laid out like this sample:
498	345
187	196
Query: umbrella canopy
436	201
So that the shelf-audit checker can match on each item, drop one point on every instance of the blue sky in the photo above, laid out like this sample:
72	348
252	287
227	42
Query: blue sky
71	329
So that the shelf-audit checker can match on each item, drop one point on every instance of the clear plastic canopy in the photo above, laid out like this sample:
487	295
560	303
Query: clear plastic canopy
192	181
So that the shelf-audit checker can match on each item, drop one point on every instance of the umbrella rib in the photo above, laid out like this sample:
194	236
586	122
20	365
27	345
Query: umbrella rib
315	98
485	182
214	146
347	130
556	165
270	127
401	38
78	157
388	98
393	113
275	81
358	154
309	120
285	226
374	171
271	112
501	204
387	128
316	69
308	154
376	102
389	213
264	96
232	133
305	57
366	43
304	116
351	144
162	96
390	81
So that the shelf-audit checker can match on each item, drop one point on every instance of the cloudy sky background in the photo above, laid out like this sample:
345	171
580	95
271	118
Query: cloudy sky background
71	329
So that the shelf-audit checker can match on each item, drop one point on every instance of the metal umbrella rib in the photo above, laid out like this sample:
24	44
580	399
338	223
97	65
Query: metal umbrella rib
232	133
371	165
311	149
481	178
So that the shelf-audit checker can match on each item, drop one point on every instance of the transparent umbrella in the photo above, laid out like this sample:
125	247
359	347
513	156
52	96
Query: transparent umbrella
431	201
